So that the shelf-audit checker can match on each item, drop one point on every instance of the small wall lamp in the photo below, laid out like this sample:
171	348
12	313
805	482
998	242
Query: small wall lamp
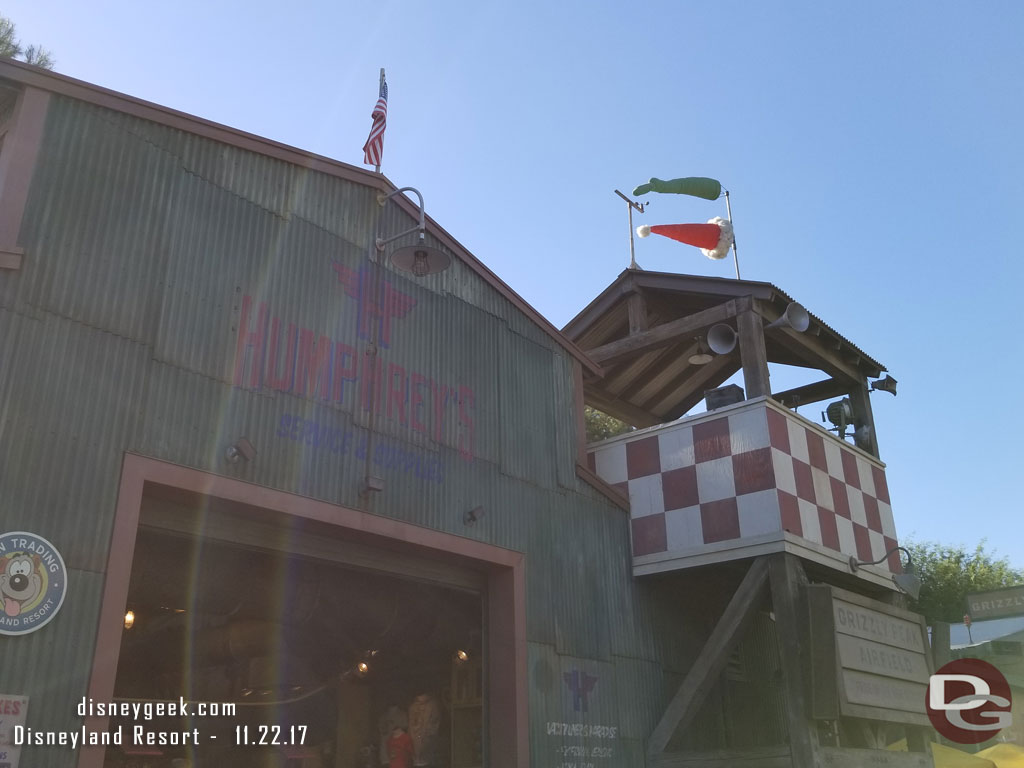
420	259
239	450
907	582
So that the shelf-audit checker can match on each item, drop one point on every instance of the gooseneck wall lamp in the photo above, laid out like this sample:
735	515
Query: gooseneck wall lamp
907	582
420	259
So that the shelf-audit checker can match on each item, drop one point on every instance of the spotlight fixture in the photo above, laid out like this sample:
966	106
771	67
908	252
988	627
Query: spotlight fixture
420	259
840	413
129	619
239	450
461	655
907	582
362	668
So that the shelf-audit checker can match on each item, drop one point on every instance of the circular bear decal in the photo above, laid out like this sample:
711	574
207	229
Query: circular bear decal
33	582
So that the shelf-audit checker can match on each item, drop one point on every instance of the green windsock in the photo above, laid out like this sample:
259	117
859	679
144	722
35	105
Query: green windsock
698	186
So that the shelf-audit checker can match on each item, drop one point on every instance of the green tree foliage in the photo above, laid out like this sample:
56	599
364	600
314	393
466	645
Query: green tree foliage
12	48
601	426
949	573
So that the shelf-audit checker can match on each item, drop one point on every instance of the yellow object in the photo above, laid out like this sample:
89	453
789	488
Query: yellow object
1004	755
948	757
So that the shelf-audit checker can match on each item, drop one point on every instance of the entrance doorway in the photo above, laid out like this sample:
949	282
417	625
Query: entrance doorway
320	645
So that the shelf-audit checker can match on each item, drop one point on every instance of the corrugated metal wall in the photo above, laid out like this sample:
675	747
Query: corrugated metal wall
144	246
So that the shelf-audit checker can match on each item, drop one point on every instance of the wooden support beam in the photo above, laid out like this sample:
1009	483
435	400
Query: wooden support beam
10	257
704	674
636	305
941	653
752	354
860	402
635	375
787	578
708	377
819	355
663	334
811	393
620	409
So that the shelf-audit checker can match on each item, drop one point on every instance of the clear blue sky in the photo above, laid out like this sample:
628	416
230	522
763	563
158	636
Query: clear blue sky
872	149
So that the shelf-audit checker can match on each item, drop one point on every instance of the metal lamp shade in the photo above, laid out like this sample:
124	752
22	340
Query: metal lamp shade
908	581
421	259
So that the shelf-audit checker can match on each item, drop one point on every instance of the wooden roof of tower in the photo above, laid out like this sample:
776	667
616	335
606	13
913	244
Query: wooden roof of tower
643	328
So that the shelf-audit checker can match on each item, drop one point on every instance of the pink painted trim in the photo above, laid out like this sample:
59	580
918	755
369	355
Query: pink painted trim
146	110
10	258
17	163
505	570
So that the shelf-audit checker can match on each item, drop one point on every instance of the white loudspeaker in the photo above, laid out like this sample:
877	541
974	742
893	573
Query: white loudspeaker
722	339
794	317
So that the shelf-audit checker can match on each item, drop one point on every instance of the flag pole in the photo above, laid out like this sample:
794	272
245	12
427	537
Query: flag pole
735	258
379	86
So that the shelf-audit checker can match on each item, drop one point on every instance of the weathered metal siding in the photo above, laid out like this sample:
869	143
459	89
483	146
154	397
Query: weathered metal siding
120	334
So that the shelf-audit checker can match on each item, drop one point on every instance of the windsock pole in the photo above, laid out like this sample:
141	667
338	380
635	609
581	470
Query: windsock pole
632	248
728	212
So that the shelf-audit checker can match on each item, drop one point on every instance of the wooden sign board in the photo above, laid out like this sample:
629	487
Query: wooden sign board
996	604
868	659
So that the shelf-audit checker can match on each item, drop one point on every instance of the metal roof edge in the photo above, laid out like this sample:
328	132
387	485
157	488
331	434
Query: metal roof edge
63	85
580	321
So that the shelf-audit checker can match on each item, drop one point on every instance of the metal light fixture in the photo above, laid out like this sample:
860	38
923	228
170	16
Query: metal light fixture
129	619
907	582
239	450
420	259
701	355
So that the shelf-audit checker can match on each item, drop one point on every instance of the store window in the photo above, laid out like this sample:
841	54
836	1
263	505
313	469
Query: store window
315	650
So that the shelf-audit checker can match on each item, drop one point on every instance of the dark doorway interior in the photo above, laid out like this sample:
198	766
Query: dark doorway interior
305	648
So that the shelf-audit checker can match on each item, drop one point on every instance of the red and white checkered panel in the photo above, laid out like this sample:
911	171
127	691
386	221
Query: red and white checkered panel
744	474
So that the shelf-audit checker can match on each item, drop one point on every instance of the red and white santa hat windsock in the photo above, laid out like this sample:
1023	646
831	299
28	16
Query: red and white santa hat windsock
713	238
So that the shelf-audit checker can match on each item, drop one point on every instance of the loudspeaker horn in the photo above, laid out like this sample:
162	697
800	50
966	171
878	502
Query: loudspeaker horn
888	384
722	339
794	317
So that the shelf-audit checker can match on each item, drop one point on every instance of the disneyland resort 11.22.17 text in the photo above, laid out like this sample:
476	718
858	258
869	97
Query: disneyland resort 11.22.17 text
145	732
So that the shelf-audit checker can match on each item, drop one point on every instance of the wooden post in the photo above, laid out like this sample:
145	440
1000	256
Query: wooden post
860	402
941	653
704	674
637	312
786	575
752	354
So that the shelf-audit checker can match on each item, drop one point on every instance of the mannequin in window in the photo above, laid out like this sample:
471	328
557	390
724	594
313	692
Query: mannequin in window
399	749
392	717
424	723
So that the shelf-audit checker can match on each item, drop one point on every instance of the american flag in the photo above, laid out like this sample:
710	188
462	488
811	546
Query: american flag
374	146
